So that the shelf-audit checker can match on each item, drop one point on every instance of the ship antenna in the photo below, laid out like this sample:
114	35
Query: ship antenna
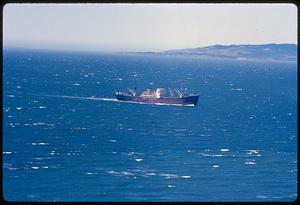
135	83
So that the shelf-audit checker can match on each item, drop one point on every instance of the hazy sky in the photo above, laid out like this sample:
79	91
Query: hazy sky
146	27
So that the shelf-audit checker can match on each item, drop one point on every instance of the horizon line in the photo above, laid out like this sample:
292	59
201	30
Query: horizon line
7	47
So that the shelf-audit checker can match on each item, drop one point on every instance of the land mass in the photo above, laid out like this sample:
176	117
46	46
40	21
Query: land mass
269	52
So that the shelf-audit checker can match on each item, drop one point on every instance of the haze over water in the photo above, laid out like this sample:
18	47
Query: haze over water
65	138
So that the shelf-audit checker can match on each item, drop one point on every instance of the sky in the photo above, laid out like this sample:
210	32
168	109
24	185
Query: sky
146	27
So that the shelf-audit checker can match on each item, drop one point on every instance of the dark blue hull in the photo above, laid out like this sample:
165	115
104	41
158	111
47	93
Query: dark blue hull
190	100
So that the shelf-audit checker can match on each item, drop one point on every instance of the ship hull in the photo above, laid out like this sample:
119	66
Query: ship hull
190	100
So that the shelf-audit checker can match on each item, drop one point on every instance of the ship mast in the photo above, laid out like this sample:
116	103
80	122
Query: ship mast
135	84
179	93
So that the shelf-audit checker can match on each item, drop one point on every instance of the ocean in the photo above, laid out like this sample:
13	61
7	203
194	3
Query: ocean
66	138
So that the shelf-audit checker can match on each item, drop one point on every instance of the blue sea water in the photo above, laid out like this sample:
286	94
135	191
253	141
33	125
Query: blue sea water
65	138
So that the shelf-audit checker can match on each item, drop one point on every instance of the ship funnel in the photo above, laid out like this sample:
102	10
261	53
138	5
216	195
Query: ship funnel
160	92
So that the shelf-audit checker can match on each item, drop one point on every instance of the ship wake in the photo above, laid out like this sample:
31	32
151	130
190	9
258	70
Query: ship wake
81	98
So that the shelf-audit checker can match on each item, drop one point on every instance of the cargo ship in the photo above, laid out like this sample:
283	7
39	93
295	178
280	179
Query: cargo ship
158	96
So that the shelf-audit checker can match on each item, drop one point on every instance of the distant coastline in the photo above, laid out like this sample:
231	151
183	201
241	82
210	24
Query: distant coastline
263	52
